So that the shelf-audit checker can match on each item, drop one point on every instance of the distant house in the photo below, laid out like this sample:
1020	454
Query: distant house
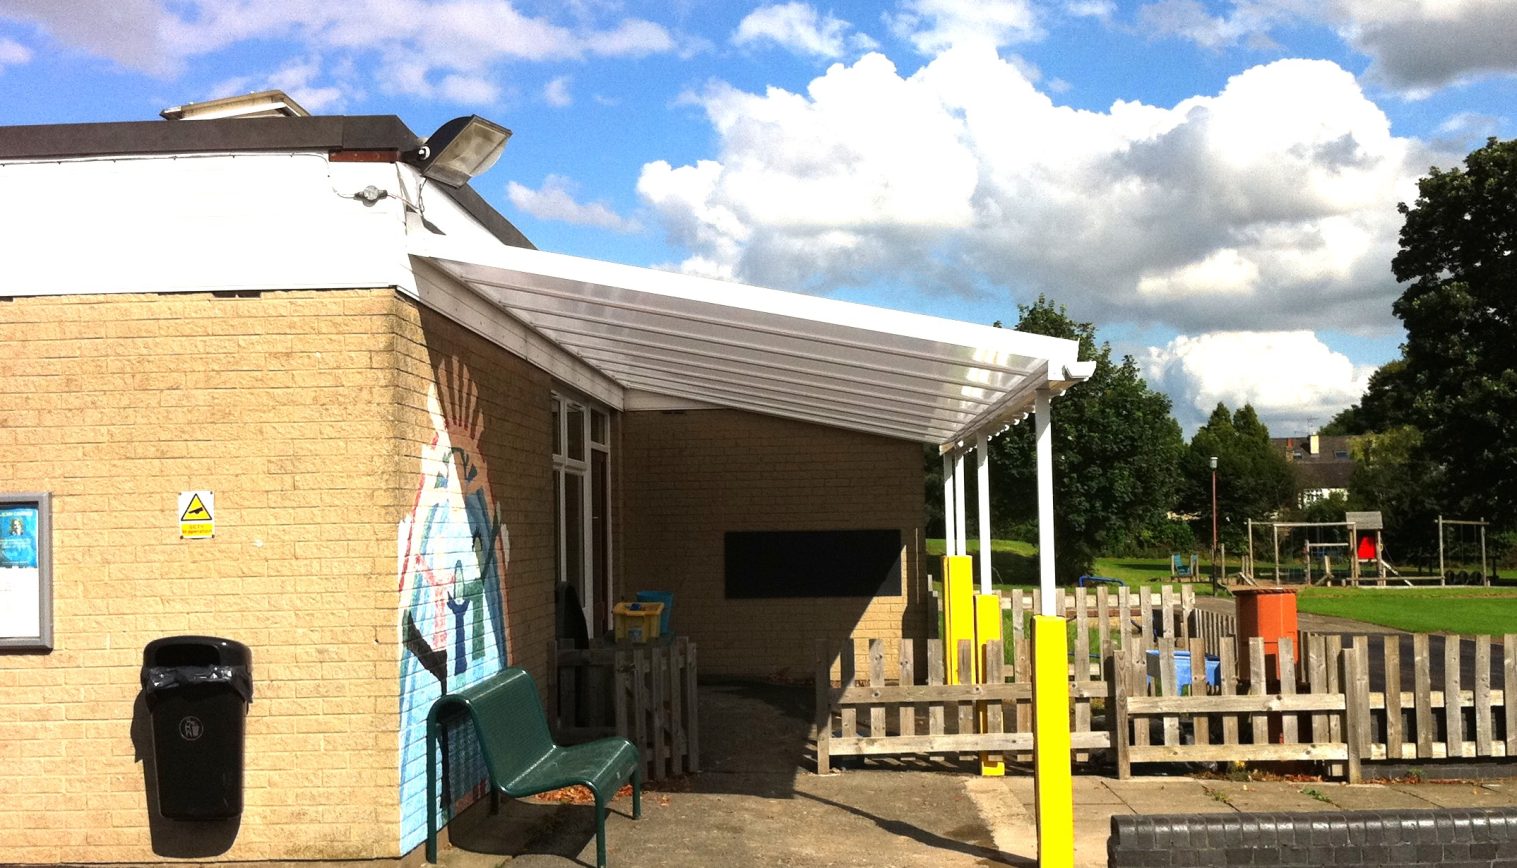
1322	465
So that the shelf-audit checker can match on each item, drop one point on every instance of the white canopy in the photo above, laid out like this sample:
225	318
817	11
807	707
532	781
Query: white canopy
785	354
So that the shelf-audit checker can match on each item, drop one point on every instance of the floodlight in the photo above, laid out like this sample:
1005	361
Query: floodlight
461	149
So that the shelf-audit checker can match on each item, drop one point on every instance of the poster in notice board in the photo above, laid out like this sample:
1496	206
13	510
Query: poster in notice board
26	604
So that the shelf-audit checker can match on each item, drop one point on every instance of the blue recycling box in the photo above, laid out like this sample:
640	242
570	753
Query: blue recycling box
1183	670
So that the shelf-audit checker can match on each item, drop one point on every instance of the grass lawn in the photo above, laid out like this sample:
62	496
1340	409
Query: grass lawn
1014	564
1487	611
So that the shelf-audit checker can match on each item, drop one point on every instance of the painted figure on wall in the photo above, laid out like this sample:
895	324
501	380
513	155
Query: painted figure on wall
452	551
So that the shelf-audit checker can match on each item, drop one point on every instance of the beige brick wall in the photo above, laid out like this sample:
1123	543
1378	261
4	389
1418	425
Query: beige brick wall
691	476
281	403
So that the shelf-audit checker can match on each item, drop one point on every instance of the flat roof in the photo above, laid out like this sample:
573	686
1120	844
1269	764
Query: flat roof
381	133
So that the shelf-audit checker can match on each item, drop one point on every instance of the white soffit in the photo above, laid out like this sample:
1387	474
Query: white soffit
785	354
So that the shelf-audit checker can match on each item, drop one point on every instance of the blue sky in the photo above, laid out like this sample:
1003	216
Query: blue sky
1214	184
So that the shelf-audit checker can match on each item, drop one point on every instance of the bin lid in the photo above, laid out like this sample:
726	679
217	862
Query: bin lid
1246	590
196	651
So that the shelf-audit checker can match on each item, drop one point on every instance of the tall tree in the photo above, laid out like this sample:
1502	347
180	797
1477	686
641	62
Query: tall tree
1389	401
1393	475
1116	450
1459	258
1253	479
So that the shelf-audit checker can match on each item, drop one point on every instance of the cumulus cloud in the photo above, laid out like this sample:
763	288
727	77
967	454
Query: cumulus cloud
1292	378
1268	205
446	49
1420	45
555	201
799	28
1415	46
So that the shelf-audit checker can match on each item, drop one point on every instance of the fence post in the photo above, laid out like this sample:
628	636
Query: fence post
1355	708
823	708
1116	686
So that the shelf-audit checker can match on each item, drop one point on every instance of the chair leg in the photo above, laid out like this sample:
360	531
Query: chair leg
600	832
637	792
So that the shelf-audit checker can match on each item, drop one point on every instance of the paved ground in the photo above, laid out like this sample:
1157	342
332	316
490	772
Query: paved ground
757	802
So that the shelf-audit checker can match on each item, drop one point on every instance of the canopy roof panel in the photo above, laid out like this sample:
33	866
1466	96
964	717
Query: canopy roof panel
798	356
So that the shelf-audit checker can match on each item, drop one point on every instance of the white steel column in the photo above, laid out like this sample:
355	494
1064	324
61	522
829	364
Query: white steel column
950	521
959	519
1043	431
982	492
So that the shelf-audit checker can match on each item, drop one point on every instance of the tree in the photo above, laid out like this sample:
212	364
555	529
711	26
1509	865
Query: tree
1392	474
1389	401
1253	479
1458	256
1116	450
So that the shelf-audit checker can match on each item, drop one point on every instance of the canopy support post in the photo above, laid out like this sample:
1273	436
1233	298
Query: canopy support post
982	492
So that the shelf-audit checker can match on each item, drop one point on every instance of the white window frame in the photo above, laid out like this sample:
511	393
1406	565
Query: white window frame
572	471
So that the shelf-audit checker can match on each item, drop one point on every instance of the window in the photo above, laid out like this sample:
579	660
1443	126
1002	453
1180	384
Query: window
582	504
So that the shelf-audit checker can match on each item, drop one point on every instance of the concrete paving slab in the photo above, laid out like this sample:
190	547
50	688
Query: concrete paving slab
1165	795
1462	794
1371	797
1259	796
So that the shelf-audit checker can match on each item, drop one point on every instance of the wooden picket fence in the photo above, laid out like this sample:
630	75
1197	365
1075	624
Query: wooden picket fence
927	716
1337	705
643	693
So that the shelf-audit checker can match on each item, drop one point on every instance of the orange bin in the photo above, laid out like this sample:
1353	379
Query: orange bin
1268	612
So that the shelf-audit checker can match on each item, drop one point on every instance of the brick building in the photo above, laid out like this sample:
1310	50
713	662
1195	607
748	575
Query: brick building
414	426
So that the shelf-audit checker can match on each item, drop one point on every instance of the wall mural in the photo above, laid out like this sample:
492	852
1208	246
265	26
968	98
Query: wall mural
453	550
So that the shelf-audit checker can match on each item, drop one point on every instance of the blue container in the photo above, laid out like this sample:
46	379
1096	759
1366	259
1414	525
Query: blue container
665	597
1183	670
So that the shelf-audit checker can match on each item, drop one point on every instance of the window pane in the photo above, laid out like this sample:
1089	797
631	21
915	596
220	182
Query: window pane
574	536
576	433
600	428
558	430
558	525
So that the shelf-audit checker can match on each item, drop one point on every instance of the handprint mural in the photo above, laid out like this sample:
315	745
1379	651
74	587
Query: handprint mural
452	556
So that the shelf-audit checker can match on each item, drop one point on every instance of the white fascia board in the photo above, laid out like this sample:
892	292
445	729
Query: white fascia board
199	223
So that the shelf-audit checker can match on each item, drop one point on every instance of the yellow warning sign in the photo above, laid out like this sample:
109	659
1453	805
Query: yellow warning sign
197	516
196	511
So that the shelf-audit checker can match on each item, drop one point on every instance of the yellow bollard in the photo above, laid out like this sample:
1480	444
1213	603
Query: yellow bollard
1053	782
987	621
958	615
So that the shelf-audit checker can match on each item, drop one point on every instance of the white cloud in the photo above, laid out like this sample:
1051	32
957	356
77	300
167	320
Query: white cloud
1292	378
556	92
1268	205
1102	9
799	28
446	49
1415	46
13	53
555	201
1424	44
936	25
295	78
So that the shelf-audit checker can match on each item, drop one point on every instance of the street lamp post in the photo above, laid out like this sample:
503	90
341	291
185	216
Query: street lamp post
1214	574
